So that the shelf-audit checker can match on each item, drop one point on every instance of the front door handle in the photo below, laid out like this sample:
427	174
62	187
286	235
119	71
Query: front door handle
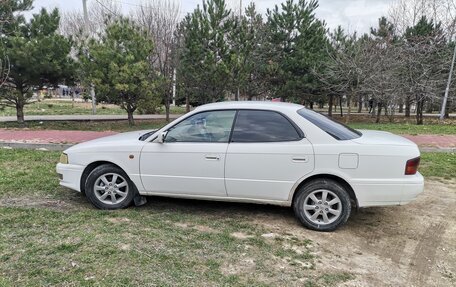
212	157
300	159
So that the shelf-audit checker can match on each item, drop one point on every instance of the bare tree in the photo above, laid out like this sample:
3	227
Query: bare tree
407	13
101	13
159	19
345	68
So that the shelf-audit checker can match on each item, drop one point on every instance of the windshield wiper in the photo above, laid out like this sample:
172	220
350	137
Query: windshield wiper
146	135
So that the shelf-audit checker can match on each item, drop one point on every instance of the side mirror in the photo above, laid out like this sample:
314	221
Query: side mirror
161	137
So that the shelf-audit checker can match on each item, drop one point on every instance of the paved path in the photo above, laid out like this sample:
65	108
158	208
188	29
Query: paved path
72	137
439	141
86	117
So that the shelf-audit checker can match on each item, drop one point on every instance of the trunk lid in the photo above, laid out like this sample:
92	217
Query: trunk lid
371	137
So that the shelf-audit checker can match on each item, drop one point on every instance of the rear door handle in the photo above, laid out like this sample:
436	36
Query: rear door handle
212	157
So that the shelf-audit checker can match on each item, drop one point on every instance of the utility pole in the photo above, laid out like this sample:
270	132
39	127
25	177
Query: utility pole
240	17
87	32
447	90
174	87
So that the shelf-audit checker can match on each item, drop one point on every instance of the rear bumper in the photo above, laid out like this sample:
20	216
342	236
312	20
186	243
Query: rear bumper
388	192
411	190
70	175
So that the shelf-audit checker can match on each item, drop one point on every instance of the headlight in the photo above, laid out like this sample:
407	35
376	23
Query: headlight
64	158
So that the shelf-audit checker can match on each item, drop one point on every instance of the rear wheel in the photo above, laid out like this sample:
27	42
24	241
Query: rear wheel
322	205
108	187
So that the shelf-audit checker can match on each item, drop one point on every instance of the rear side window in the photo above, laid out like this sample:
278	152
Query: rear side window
337	130
263	126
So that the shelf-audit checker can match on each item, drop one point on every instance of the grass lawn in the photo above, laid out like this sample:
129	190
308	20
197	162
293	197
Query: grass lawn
62	240
66	107
409	129
50	235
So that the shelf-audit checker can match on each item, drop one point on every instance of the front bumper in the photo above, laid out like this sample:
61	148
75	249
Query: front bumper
70	175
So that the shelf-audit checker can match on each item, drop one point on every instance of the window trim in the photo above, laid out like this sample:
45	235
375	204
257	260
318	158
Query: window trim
293	124
200	112
360	134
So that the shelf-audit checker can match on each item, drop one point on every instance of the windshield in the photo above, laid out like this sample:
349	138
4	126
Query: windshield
337	130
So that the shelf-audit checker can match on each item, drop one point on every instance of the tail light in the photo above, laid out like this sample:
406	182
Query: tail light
411	167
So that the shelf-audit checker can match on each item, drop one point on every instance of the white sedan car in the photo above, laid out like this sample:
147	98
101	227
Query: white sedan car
259	152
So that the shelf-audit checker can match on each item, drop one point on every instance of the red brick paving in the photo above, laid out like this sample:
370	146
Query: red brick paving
59	136
440	141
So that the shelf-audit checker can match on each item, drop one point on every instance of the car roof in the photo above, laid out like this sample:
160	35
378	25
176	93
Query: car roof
261	105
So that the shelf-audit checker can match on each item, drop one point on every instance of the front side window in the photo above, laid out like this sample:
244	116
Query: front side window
263	126
337	130
213	126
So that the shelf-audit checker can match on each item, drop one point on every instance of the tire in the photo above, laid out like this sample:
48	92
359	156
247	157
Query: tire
108	187
318	213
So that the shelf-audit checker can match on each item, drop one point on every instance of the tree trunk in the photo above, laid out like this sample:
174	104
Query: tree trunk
360	104
407	107
311	104
347	120
167	106
340	101
20	113
419	111
187	103
447	110
379	112
401	106
330	106
131	120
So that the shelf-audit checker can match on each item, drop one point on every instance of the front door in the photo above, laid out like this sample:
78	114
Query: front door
191	160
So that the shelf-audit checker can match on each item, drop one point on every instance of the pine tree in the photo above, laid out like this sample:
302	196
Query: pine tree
38	56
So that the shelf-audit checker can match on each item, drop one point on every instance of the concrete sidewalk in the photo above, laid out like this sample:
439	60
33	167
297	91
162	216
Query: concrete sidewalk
61	139
87	117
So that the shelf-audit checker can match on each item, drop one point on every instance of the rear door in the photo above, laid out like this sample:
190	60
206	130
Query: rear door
267	155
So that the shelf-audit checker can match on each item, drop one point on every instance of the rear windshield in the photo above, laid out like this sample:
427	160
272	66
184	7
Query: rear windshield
337	130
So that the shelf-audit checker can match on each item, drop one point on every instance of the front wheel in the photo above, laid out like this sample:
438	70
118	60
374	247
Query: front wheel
322	205
108	187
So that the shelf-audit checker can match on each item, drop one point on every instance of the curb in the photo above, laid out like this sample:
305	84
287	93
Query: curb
61	147
438	149
85	118
35	146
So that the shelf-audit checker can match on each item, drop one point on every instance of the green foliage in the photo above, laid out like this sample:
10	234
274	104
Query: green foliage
37	54
296	39
118	65
248	57
204	54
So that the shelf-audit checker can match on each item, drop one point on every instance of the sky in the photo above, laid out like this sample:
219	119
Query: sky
352	15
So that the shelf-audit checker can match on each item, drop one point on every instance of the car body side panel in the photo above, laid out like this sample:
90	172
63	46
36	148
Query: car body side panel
379	178
266	171
123	153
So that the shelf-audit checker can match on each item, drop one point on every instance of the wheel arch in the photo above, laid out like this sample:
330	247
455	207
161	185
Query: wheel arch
336	178
89	168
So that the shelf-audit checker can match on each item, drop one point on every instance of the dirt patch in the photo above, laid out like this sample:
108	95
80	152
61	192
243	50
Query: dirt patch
201	228
241	235
244	265
411	245
118	220
36	202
